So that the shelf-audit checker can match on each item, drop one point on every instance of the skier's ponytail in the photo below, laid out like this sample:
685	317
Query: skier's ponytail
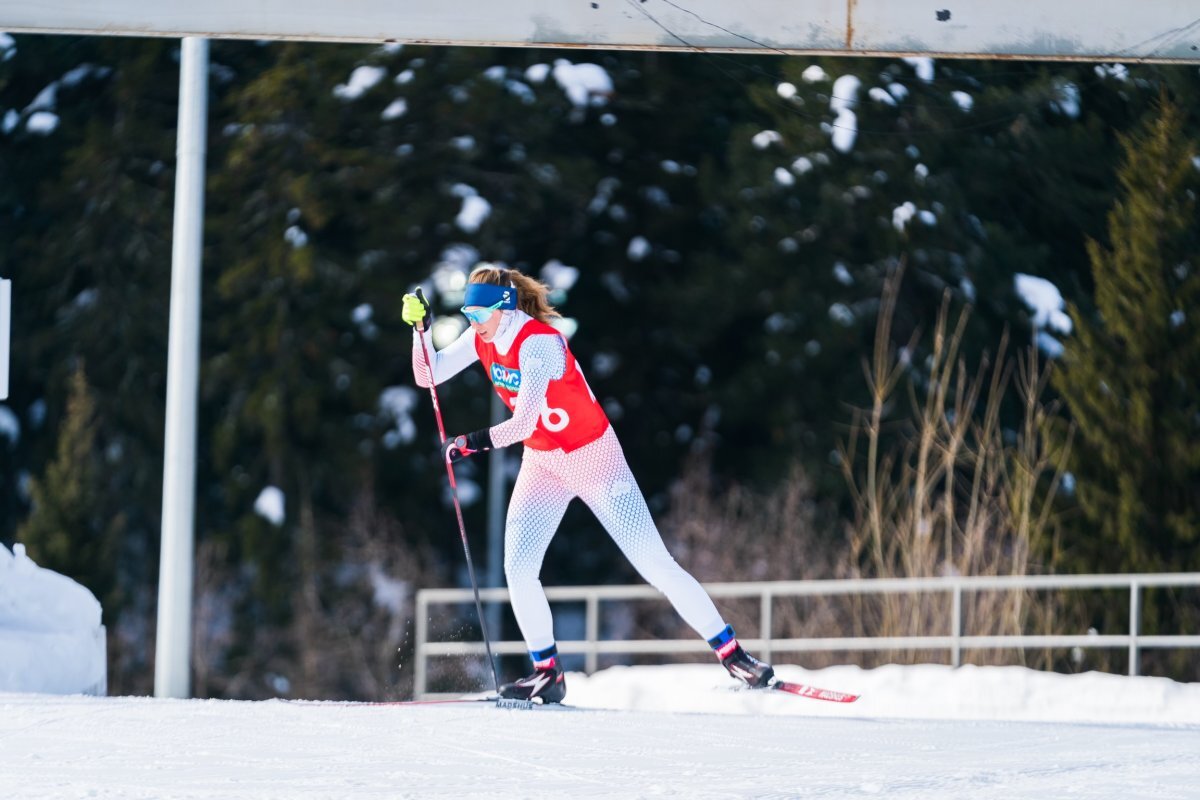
532	294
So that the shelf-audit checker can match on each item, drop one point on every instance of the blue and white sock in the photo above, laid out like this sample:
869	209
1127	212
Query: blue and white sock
724	642
545	658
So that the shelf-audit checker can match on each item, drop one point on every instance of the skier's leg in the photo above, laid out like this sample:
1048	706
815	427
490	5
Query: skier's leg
607	485
539	500
604	481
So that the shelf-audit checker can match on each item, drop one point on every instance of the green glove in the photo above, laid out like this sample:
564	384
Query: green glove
415	311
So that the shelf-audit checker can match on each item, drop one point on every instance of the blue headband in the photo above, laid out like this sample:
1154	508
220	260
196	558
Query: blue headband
488	294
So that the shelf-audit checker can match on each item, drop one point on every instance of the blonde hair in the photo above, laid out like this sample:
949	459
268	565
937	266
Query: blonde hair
532	294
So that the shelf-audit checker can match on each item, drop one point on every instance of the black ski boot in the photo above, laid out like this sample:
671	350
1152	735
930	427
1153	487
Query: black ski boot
546	683
748	669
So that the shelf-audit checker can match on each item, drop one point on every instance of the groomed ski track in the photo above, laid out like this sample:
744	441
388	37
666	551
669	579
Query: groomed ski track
736	744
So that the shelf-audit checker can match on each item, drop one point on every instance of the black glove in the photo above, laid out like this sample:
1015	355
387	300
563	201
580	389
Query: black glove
459	447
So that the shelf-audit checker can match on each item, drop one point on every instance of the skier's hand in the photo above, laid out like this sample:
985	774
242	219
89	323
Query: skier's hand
459	447
415	311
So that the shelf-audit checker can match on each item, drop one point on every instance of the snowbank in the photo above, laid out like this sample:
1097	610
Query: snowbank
51	639
924	691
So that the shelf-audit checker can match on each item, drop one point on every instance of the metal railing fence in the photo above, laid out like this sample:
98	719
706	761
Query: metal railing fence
592	647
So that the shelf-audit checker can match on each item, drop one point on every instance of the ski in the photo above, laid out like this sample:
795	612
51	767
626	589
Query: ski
812	692
438	702
498	702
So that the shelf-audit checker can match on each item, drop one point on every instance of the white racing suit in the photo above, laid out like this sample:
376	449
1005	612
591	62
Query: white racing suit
596	472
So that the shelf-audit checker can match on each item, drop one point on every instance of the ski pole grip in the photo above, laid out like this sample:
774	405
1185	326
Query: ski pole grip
428	309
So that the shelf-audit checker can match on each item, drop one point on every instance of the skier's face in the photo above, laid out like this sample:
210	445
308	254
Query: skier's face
486	330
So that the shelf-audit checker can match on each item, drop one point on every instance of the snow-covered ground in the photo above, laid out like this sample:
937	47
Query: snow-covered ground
678	731
917	732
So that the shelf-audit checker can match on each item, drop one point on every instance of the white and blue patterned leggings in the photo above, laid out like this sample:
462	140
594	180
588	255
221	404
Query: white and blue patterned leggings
598	474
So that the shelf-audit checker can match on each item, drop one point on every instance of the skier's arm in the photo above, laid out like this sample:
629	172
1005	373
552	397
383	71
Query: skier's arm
446	363
543	359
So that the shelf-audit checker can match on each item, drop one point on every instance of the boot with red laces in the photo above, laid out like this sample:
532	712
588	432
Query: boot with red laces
740	664
547	683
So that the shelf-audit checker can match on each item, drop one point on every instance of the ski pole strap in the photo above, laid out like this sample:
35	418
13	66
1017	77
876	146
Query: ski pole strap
723	638
479	440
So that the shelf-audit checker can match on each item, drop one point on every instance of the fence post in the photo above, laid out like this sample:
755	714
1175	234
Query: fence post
419	649
592	622
956	624
1135	612
764	624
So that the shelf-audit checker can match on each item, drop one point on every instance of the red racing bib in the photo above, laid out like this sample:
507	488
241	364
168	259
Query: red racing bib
570	416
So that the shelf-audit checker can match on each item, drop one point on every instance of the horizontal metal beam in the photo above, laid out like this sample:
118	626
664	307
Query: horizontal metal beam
839	587
832	644
1146	30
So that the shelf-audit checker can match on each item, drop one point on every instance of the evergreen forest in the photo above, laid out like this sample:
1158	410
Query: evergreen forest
804	289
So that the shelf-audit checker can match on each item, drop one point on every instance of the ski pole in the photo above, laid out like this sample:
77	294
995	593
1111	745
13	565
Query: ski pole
462	528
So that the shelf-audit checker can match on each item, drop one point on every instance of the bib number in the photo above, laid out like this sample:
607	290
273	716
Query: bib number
555	419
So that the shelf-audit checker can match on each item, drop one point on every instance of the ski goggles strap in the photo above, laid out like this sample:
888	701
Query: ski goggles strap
488	295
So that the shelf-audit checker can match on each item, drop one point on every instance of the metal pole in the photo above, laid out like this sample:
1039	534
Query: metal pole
419	656
1135	611
592	625
172	676
956	625
765	624
5	334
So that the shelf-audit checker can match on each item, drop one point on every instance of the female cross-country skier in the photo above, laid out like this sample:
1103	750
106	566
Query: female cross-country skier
570	451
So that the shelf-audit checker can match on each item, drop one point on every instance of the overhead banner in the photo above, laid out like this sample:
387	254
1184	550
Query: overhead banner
1138	30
